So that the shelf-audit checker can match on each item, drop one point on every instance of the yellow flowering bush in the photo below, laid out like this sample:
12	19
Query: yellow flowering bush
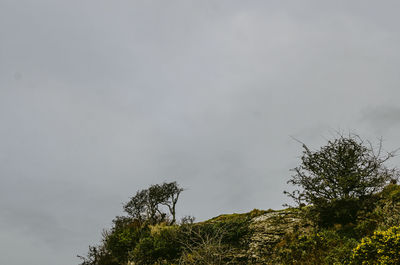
383	247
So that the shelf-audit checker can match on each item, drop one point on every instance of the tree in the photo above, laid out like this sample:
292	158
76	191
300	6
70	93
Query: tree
147	204
136	207
339	176
169	195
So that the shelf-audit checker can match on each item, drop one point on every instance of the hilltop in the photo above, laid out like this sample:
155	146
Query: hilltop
348	212
259	237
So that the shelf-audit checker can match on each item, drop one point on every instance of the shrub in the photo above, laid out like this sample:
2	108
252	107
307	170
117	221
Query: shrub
123	238
160	246
385	214
323	247
202	244
339	177
381	248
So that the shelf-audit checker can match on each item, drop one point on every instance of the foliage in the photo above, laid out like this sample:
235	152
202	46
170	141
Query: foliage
138	208
160	246
340	177
389	207
202	245
131	236
168	194
146	236
383	213
381	248
235	227
124	237
146	204
317	247
98	255
220	240
215	241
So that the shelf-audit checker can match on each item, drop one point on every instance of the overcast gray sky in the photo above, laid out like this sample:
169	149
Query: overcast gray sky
101	98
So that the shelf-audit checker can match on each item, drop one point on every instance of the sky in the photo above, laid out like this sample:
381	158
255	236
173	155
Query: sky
101	98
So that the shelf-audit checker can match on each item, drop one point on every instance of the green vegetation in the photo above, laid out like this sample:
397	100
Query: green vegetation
146	205
323	246
348	213
381	248
341	178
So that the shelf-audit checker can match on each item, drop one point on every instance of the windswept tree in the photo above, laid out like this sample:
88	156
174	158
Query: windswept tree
136	207
131	236
147	204
169	195
340	175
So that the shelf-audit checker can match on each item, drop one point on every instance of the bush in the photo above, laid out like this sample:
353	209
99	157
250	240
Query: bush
340	177
323	247
160	246
386	212
235	227
132	237
202	244
123	238
381	248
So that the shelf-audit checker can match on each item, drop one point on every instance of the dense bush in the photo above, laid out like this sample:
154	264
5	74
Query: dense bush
383	212
339	179
235	227
381	248
132	237
160	246
123	238
209	242
316	247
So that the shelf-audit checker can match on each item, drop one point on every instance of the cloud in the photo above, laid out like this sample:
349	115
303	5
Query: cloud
99	99
382	118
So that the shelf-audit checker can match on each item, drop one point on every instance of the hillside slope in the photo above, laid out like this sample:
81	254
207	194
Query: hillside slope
287	236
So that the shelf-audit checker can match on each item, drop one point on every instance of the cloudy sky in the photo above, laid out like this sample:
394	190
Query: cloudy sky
100	98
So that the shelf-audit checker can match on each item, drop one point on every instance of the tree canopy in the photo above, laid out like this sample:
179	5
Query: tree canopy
146	204
343	172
